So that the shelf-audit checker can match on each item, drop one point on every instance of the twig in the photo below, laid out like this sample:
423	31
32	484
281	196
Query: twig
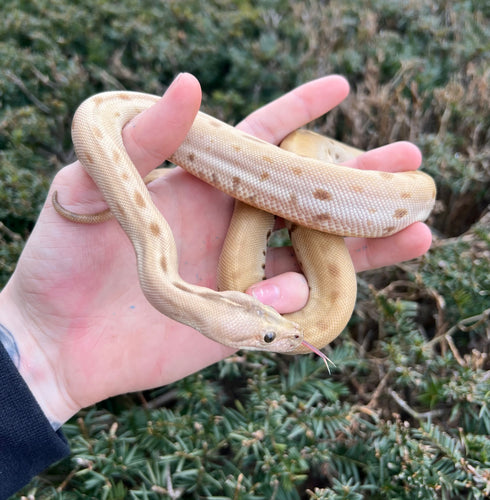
162	400
378	391
67	479
454	350
477	320
17	81
464	325
415	414
5	230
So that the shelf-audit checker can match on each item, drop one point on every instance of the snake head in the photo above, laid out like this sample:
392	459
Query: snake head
258	327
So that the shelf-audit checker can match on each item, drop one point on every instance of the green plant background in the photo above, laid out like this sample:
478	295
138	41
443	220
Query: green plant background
406	412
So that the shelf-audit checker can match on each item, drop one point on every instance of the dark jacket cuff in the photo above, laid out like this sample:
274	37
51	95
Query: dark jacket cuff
28	443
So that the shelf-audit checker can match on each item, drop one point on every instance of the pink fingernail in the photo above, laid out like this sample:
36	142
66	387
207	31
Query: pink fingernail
266	293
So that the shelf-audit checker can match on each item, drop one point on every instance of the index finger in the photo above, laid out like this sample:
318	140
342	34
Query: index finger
305	103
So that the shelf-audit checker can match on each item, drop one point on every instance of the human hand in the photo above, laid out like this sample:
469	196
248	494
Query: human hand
74	306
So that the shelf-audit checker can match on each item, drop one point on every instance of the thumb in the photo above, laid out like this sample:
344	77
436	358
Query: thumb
154	135
286	293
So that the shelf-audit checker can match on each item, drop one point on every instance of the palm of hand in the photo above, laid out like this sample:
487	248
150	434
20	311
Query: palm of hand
85	278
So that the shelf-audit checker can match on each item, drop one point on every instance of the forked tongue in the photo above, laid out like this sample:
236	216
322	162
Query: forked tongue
319	353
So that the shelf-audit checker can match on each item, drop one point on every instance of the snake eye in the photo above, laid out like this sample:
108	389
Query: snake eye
269	337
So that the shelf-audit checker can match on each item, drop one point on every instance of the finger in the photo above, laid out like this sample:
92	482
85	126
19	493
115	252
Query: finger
289	292
293	110
366	253
407	244
286	292
155	134
396	157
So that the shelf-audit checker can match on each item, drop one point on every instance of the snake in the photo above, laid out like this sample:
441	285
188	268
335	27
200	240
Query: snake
300	181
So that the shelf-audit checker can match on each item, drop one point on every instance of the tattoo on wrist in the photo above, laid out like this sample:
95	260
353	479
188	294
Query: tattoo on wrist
10	345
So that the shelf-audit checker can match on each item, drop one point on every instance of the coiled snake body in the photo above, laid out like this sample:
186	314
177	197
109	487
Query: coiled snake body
330	200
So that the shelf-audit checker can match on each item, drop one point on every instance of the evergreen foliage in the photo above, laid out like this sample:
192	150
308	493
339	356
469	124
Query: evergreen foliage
405	413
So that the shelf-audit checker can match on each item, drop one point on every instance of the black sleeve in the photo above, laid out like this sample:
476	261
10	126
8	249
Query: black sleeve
28	443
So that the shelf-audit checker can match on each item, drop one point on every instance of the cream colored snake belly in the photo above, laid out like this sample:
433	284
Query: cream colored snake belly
330	200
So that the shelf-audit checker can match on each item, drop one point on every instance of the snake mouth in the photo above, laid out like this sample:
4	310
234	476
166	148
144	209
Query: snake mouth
317	351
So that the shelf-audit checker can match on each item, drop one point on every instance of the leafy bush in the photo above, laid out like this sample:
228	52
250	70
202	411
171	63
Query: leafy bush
405	413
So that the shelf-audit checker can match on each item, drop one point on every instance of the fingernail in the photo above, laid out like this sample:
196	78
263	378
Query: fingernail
266	293
175	80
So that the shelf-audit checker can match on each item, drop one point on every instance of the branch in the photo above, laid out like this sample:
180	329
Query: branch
415	414
464	325
5	230
17	81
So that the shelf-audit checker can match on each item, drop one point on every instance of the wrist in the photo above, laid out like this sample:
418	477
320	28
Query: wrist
35	357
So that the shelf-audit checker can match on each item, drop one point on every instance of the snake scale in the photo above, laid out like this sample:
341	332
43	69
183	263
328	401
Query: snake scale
322	201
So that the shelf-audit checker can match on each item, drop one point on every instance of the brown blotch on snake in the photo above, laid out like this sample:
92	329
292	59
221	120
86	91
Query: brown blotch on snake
333	270
155	229
138	198
386	175
89	157
215	180
400	212
323	217
97	132
321	194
